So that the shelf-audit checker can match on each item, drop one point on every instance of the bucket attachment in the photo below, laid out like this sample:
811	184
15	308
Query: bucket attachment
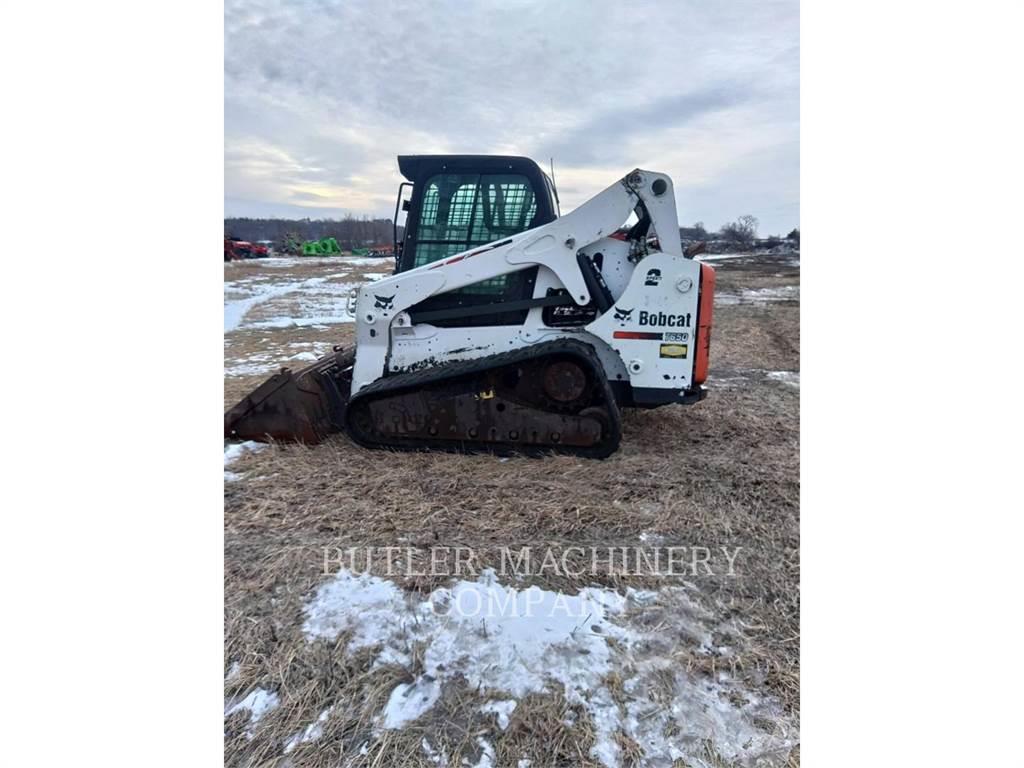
299	407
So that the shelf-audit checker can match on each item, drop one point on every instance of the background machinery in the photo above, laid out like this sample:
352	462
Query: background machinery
506	327
236	248
325	246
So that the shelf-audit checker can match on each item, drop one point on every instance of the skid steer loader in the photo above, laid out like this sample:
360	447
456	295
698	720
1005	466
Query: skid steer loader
506	327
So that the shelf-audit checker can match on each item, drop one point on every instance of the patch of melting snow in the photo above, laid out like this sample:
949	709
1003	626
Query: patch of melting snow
503	709
734	378
320	303
791	378
295	261
438	758
312	732
320	348
486	754
258	703
727	382
722	256
792	257
253	365
759	295
410	700
503	640
236	310
305	322
374	276
363	603
264	363
233	451
365	261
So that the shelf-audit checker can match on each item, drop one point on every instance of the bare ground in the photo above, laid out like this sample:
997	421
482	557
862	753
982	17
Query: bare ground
722	473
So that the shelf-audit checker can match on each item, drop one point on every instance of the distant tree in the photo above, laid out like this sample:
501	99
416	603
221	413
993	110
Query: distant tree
696	232
794	235
742	231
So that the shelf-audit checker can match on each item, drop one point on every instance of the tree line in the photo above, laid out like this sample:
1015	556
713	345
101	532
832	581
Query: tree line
743	231
350	232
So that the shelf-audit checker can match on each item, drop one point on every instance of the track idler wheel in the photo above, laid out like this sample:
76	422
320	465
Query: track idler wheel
564	381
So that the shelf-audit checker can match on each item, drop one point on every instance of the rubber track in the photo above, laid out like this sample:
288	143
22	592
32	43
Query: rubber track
425	377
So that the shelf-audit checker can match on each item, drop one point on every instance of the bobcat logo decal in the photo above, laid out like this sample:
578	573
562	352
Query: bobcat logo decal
383	302
622	315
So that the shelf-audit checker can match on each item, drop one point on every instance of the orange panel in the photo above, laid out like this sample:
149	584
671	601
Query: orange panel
705	310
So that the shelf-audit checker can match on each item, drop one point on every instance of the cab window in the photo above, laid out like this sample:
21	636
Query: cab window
460	211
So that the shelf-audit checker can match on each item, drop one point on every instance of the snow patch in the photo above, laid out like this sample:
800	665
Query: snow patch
736	378
253	365
365	261
438	758
722	256
410	700
486	754
792	256
296	261
236	310
312	732
305	322
502	709
790	378
503	640
258	703
759	295
365	604
320	303
233	451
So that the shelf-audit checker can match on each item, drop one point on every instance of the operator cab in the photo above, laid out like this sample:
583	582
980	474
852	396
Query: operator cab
459	202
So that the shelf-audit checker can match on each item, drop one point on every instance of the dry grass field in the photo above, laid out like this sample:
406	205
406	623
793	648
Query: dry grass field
699	669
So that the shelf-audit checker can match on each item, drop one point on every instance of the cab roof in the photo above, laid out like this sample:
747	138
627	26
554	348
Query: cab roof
415	167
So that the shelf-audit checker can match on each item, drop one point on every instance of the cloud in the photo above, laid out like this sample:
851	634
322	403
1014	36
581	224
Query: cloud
321	96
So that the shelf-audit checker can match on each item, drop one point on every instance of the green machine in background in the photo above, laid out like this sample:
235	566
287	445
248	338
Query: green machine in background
326	246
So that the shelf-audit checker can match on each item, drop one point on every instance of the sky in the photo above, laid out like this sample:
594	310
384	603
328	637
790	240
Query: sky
320	96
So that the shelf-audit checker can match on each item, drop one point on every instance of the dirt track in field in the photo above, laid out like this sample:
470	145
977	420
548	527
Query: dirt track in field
722	473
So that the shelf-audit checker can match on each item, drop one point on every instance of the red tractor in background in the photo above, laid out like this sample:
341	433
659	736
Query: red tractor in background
235	249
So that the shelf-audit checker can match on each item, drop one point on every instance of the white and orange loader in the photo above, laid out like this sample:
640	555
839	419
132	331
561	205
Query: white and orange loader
507	327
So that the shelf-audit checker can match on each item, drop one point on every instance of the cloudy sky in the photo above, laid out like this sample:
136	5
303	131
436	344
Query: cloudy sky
321	95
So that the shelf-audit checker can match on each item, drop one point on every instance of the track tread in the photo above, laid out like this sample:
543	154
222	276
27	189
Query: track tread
428	376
